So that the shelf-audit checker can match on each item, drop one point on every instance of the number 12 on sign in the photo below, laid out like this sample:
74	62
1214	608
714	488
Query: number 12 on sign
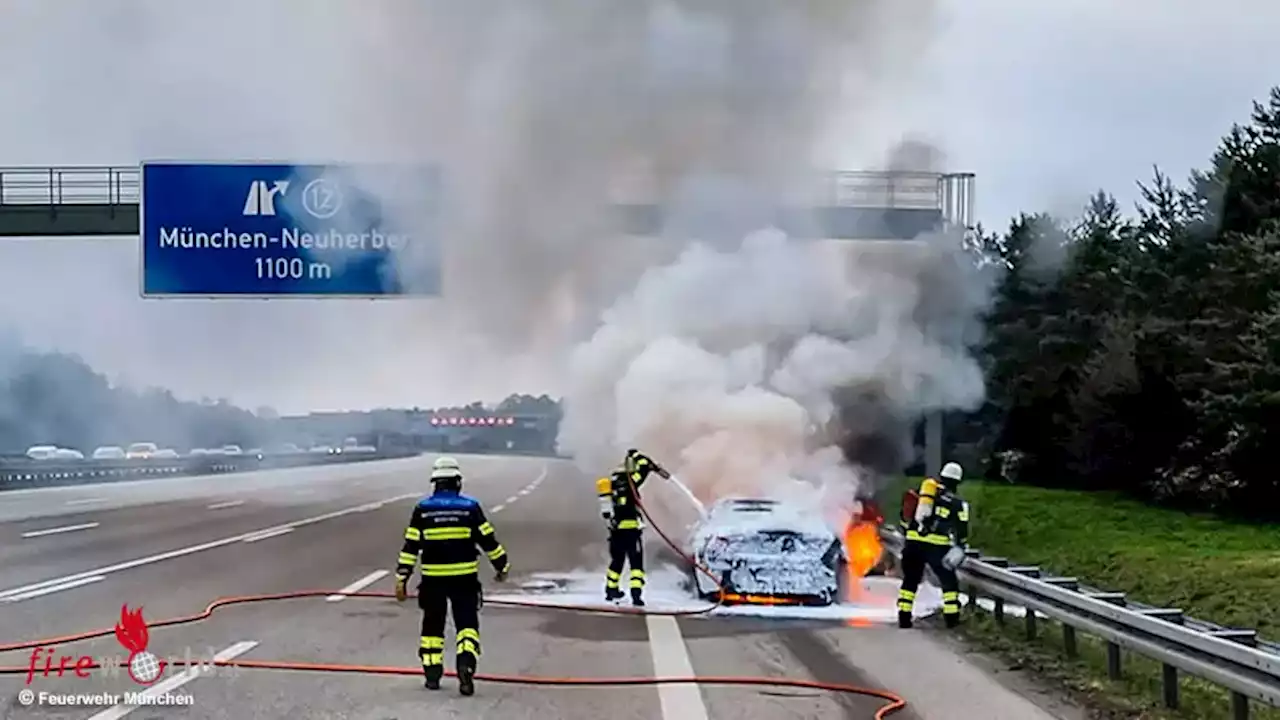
291	269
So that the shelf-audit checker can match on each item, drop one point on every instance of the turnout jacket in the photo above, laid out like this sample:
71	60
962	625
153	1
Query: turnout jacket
618	491
444	531
936	515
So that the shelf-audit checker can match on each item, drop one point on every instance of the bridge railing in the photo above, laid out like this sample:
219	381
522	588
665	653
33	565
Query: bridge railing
102	185
115	185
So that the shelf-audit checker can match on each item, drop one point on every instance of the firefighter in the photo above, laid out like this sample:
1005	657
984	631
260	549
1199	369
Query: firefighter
618	495
936	521
443	533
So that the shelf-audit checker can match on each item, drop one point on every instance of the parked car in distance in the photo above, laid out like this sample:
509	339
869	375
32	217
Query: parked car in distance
42	452
68	454
141	451
109	452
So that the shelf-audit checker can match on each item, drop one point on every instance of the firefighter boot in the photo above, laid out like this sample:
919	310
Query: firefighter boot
635	597
612	593
466	674
904	620
433	673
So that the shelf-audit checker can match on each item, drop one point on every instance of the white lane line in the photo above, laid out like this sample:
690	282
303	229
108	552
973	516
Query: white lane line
497	509
268	534
7	595
224	505
176	681
512	499
524	492
86	501
49	590
57	530
681	701
358	585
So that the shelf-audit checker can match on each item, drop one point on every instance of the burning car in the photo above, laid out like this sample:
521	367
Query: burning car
768	552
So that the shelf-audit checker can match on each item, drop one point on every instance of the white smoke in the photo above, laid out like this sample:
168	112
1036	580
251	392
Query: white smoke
763	369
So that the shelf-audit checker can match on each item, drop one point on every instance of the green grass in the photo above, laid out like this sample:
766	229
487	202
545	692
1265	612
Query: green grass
1213	569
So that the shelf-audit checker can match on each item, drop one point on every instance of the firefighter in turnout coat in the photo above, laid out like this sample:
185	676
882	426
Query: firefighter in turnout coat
443	533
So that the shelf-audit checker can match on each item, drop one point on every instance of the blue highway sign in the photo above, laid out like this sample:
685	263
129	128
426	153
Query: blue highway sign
263	230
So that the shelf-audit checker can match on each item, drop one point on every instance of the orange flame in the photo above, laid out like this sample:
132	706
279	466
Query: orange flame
758	599
862	543
131	631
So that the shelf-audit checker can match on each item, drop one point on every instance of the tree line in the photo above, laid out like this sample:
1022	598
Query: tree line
1142	353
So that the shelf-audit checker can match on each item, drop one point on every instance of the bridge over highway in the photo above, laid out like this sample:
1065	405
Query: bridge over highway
89	201
107	201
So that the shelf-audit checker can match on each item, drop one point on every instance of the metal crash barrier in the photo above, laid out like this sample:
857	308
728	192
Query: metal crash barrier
1232	658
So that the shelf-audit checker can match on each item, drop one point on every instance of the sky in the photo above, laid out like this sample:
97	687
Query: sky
1044	102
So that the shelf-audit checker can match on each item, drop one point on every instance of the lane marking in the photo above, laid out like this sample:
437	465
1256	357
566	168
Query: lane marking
222	505
524	492
681	701
86	501
512	499
57	530
497	509
8	595
176	681
265	535
49	590
358	585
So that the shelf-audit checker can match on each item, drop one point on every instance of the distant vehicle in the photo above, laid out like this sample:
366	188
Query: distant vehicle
109	452
322	450
290	448
68	454
763	551
232	450
165	454
42	452
257	452
362	449
350	443
141	451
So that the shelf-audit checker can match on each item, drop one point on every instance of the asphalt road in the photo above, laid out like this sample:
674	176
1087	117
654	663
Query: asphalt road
71	557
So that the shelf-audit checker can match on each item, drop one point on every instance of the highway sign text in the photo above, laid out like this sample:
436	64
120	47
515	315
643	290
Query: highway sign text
219	229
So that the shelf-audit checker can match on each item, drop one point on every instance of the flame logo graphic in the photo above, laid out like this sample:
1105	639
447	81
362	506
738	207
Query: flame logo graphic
132	633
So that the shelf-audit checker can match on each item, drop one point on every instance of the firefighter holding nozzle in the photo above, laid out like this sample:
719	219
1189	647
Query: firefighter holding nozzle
619	494
935	521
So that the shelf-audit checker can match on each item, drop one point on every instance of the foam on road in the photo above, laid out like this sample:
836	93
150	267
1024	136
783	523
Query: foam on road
171	553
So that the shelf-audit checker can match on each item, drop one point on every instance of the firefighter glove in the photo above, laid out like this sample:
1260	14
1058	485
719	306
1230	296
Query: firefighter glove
402	593
501	575
954	558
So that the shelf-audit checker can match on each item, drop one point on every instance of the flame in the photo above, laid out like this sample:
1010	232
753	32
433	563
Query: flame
758	599
862	543
131	631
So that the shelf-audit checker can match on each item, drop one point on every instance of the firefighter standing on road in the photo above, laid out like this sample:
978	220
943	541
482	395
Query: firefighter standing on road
618	506
936	521
443	532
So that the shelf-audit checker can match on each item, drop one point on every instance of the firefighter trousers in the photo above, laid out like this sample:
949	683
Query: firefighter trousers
435	596
625	546
916	556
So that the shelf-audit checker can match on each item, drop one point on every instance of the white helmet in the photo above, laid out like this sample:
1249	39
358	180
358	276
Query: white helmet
446	468
952	471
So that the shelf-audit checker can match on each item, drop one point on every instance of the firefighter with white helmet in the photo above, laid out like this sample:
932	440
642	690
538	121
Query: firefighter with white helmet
443	533
935	521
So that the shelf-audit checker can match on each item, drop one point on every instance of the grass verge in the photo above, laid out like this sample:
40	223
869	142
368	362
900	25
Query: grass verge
1211	568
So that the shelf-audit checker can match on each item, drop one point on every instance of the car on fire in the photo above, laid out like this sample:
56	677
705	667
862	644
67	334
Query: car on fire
765	551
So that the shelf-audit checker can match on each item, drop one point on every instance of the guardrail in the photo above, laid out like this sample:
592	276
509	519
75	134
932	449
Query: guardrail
69	185
1235	659
48	473
121	185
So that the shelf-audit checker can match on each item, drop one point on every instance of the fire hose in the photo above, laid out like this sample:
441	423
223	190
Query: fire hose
893	703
